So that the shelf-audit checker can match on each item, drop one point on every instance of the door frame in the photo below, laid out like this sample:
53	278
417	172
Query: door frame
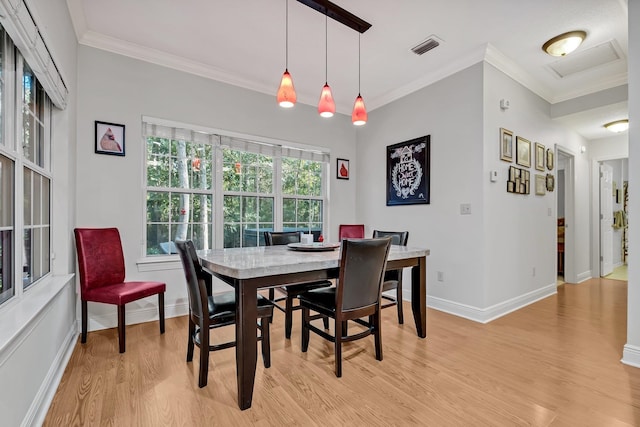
570	275
595	209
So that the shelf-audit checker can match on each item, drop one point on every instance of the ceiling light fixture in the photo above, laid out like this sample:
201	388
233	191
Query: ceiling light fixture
564	43
359	114
326	105
618	126
286	92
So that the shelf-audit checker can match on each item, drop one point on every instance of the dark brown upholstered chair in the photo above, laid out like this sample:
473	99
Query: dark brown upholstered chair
393	278
102	274
351	231
273	238
356	295
207	312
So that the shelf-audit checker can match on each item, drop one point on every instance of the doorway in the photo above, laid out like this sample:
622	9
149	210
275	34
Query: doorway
613	231
565	215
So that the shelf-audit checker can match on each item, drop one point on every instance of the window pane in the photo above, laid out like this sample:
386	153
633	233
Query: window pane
231	236
249	209
289	210
157	239
46	194
6	264
157	206
266	209
202	209
231	209
6	192
37	194
27	196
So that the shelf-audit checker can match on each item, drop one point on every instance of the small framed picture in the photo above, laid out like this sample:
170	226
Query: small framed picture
523	151
109	138
540	158
551	182
541	185
549	159
342	169
506	145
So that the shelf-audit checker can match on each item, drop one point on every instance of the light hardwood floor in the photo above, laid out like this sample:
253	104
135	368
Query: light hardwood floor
553	363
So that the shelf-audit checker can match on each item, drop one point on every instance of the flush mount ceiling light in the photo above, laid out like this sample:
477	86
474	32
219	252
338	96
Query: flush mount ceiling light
286	92
564	43
618	126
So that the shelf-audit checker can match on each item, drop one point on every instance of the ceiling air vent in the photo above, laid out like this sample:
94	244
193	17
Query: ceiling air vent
431	43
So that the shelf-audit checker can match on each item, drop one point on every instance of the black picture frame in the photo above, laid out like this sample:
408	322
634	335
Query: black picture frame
408	172
109	138
342	169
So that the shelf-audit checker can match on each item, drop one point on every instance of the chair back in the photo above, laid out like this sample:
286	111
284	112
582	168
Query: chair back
100	257
274	238
399	238
362	265
351	231
193	273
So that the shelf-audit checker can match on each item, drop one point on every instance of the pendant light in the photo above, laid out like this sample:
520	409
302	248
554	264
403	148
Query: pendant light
326	105
286	92
359	114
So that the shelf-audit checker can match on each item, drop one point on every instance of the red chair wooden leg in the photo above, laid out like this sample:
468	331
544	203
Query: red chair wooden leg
161	311
83	336
121	323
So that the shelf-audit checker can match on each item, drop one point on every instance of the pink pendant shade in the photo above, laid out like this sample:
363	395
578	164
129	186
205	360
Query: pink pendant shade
326	106
286	92
359	114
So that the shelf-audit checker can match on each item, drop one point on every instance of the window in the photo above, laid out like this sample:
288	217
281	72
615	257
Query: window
25	178
224	191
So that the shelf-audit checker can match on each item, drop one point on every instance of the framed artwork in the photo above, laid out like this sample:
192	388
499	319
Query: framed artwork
540	158
523	151
408	173
541	185
342	168
109	138
518	182
551	182
506	145
549	159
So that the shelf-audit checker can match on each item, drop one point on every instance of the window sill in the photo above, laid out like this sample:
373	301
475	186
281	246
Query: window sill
20	311
159	263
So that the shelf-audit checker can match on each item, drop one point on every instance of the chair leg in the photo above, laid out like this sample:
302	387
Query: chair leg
190	345
266	341
345	329
325	320
121	324
161	311
377	334
305	329
288	317
272	295
83	336
399	302
338	347
204	357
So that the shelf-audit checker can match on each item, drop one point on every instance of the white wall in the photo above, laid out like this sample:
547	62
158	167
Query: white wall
631	354
119	89
39	327
449	111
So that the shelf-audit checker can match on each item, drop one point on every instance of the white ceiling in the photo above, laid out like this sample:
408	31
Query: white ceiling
242	42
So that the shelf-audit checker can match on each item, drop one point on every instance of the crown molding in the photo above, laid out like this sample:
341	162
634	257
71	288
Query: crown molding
154	56
76	12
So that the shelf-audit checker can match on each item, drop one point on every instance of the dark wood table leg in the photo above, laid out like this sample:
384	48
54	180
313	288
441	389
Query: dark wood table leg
246	341
419	296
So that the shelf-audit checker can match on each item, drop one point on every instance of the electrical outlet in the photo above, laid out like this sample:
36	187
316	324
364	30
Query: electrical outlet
440	276
465	209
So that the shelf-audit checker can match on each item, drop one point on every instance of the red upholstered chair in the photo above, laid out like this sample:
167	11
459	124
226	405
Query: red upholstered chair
101	265
351	231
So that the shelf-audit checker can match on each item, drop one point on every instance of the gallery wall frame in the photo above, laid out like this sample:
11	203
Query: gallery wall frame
109	138
506	145
523	151
540	157
550	159
408	172
541	185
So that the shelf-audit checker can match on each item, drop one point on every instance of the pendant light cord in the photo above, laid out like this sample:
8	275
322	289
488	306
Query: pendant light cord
326	49
358	64
286	43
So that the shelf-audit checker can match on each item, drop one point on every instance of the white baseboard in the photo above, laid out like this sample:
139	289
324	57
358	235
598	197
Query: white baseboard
40	405
631	355
582	277
486	315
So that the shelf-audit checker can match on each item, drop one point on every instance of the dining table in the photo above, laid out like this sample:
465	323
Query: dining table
251	269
